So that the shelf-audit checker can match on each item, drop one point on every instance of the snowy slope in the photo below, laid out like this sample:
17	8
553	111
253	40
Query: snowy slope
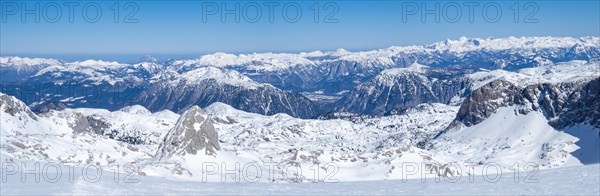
132	124
582	180
351	150
98	136
508	137
363	150
61	136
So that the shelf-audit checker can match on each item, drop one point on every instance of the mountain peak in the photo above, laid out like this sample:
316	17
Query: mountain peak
14	107
149	59
225	76
413	68
24	61
193	133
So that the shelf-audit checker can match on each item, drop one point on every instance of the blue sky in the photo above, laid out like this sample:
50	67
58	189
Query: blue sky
173	28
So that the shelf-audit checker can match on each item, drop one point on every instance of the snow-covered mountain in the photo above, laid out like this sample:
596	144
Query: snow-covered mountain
556	90
193	134
358	147
206	85
112	85
15	69
469	101
340	70
244	137
59	137
366	148
54	84
47	84
396	89
549	113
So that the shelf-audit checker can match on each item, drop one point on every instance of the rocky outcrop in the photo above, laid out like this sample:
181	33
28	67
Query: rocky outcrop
581	106
484	101
564	104
193	134
14	107
89	124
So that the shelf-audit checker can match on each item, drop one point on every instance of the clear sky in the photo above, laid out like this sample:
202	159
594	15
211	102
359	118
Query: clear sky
189	27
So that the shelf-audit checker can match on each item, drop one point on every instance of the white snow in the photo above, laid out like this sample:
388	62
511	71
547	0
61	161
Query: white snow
582	180
135	109
24	62
554	73
262	62
220	75
413	68
389	77
360	150
268	61
508	137
366	154
464	44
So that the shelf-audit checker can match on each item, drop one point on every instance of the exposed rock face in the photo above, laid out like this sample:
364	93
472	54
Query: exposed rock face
484	101
89	124
14	107
99	125
193	133
564	104
582	106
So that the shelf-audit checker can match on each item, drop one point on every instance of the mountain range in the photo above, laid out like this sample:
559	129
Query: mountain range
501	101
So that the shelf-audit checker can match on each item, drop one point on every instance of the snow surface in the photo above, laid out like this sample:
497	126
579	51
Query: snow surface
364	153
583	180
359	149
51	136
507	137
